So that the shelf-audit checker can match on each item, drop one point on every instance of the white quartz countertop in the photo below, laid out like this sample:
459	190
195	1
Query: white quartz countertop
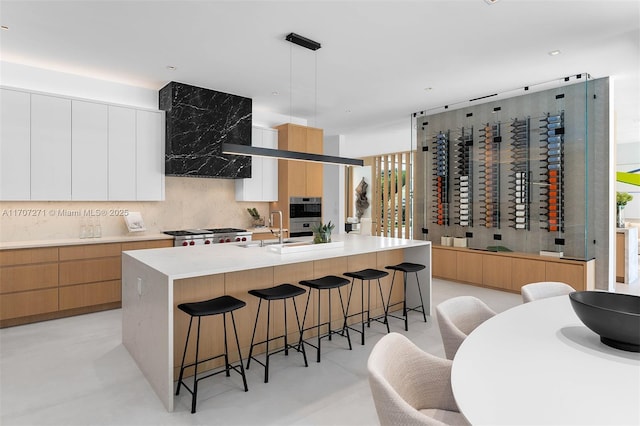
188	262
77	241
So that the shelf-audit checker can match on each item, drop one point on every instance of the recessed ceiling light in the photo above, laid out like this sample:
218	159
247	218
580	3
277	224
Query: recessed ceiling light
171	68
554	53
491	1
4	27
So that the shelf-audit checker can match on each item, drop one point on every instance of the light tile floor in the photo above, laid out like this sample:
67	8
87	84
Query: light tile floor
75	371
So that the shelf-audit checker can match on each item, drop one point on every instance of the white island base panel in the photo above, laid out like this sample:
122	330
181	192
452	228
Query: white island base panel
148	290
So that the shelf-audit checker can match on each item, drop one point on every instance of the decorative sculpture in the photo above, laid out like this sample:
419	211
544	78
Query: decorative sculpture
362	203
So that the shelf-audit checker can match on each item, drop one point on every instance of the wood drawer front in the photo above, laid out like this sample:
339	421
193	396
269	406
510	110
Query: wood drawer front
77	296
496	271
444	264
141	245
469	267
89	251
31	277
88	271
526	271
572	274
27	303
27	256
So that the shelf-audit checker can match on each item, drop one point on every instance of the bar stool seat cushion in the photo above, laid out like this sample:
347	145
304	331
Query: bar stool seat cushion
330	281
367	274
216	306
406	267
282	291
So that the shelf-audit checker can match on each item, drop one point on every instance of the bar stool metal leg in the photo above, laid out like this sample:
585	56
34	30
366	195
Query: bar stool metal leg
235	332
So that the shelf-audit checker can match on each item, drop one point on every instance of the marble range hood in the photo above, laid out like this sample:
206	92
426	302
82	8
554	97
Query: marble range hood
198	122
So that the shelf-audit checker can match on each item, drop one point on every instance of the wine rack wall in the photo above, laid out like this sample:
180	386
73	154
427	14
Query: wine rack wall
490	175
552	209
529	173
441	187
464	177
520	175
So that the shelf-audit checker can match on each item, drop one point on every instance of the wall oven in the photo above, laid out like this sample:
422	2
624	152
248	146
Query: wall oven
304	214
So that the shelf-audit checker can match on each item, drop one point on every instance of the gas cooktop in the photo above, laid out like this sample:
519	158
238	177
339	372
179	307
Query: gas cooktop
187	232
193	237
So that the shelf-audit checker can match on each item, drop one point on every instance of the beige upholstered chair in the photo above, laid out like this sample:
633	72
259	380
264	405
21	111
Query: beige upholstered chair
410	386
542	290
459	316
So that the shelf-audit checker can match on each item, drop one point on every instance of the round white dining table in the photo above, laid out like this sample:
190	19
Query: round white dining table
537	364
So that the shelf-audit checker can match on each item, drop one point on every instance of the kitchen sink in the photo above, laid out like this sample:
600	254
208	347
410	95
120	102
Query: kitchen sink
265	243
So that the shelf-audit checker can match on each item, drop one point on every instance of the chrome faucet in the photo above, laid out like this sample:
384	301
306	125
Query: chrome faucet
279	226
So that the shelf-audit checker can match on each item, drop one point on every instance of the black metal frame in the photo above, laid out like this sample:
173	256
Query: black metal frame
381	319
286	347
405	309
227	368
344	331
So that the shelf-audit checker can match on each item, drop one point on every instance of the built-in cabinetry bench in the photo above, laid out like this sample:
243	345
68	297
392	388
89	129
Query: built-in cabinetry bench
509	270
44	283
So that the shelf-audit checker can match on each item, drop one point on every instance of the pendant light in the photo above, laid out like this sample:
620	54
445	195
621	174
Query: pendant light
252	151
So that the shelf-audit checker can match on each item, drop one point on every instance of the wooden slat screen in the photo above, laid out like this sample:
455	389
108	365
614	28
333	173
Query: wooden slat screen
392	178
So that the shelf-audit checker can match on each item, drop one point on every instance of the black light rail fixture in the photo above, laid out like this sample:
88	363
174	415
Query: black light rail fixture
303	41
254	151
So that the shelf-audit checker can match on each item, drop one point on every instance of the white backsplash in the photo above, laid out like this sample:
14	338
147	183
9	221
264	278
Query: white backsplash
189	203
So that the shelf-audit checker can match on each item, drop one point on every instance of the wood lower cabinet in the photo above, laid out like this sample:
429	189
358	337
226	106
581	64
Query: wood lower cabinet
469	267
444	264
509	271
28	282
37	284
496	271
525	271
89	275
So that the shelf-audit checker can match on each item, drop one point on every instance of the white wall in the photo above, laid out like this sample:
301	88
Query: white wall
628	158
42	80
333	196
394	137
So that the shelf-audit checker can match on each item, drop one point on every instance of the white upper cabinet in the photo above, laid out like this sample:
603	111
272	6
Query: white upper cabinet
122	153
89	159
54	148
263	184
50	148
149	155
15	145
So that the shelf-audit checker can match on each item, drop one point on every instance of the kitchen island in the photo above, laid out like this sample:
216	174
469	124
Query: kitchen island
155	281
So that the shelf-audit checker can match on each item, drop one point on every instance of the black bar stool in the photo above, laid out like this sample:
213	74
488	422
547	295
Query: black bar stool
280	292
219	305
325	283
366	275
405	268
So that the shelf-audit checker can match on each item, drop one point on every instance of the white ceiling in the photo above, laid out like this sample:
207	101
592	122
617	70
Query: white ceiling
376	60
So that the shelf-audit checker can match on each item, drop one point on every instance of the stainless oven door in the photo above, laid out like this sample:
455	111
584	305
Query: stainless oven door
305	207
302	227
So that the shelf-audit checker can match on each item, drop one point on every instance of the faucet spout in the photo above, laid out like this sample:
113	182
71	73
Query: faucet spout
279	212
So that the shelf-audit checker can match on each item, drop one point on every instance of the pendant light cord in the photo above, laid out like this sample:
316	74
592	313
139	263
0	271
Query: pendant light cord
315	105
290	83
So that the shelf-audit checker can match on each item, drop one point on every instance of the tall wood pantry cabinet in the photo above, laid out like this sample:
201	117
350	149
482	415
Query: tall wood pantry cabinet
298	178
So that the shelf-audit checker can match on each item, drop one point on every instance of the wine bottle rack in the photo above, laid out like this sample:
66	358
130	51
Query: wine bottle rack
489	175
519	183
441	178
551	194
464	177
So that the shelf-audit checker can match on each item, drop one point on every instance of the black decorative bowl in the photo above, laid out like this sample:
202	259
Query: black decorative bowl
614	317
